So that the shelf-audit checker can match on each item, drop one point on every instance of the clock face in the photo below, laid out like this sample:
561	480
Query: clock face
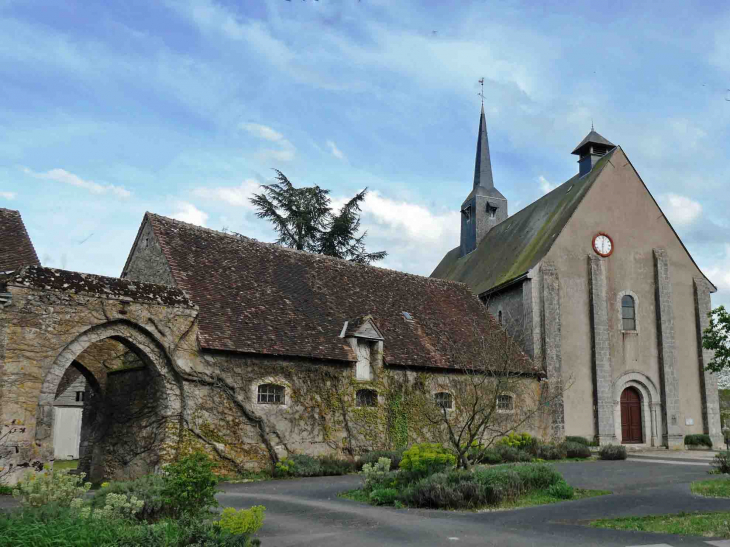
603	245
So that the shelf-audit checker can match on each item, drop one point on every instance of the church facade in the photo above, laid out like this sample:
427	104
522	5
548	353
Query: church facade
601	292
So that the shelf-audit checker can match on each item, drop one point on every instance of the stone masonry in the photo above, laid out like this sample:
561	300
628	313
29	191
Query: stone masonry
551	350
603	375
667	355
708	380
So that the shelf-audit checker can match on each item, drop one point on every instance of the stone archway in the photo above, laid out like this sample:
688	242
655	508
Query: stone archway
157	366
650	404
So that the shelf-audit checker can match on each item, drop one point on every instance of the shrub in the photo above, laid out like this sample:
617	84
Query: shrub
459	489
698	440
330	466
612	452
190	485
56	487
537	476
516	440
510	454
577	450
551	452
383	496
375	474
425	459
579	440
53	525
148	489
491	456
561	490
395	457
721	462
244	521
116	506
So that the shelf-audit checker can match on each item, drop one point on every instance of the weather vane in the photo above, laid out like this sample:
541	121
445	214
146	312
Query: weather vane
481	81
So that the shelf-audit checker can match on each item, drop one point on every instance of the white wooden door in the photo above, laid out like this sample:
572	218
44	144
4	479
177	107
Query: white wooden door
66	432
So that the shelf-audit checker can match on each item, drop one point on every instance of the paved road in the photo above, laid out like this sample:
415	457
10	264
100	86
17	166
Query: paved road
308	512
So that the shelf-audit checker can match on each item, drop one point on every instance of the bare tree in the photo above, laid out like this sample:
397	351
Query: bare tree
492	389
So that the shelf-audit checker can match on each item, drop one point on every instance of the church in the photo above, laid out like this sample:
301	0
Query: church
599	290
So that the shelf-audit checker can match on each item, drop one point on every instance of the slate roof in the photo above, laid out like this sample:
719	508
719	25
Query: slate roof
40	277
263	298
517	244
594	138
16	248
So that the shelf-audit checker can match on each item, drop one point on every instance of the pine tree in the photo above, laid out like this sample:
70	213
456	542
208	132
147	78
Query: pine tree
304	220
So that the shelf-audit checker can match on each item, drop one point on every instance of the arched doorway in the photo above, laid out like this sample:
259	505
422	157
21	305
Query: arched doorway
631	425
131	419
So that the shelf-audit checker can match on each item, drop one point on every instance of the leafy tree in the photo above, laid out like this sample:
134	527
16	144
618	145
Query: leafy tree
304	220
717	338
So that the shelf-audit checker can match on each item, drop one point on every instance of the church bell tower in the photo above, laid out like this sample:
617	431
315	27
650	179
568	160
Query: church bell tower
485	207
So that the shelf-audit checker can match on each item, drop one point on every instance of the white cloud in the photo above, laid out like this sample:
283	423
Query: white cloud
238	196
8	195
63	176
336	152
187	212
545	185
285	153
262	131
681	210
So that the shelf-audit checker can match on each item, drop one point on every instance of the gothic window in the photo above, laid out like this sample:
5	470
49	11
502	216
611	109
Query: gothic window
505	403
444	399
628	313
366	398
271	394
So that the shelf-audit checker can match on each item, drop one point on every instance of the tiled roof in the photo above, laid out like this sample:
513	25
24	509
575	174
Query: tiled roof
16	249
263	298
96	285
517	244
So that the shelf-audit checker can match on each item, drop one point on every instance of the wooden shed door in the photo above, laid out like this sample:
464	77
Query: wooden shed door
630	416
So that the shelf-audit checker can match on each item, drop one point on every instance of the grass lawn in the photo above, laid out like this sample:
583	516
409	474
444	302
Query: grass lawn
65	464
543	498
685	524
533	498
719	488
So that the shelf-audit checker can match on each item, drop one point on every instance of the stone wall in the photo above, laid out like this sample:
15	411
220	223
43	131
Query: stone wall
160	395
147	263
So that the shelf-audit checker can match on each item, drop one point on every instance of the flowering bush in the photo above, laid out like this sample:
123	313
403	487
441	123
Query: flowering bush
521	441
56	487
426	458
190	485
375	472
117	506
245	521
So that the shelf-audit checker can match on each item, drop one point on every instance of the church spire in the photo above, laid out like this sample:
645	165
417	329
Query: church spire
485	206
483	163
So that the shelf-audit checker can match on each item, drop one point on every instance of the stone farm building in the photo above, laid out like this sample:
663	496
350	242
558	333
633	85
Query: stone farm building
253	352
247	350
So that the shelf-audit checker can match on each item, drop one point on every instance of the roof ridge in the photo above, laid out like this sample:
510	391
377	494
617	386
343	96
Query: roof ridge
277	247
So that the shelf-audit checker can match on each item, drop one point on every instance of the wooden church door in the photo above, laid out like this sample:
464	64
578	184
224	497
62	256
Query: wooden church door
631	430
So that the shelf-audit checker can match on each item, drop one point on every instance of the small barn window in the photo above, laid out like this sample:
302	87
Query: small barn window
628	313
366	397
444	399
505	403
79	396
271	394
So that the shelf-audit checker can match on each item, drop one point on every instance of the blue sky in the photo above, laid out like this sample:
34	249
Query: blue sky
110	109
